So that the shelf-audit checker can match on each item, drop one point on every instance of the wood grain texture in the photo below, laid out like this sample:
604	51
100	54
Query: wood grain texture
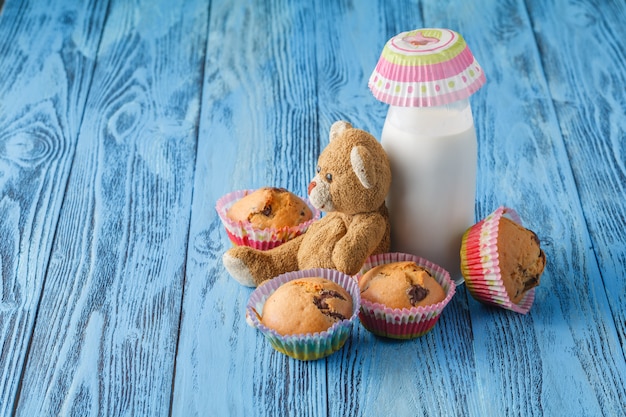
258	122
564	357
372	376
478	361
43	89
590	103
107	326
122	123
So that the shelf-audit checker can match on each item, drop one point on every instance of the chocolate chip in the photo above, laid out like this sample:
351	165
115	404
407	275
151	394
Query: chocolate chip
531	282
416	294
267	210
335	315
320	303
331	294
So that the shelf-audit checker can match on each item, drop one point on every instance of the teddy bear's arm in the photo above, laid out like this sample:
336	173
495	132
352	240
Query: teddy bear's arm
251	267
363	236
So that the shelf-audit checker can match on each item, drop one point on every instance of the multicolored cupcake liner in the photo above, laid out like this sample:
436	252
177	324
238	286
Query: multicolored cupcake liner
310	346
426	67
404	323
243	234
480	265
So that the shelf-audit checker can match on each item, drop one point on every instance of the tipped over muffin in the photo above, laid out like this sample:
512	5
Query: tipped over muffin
502	261
521	258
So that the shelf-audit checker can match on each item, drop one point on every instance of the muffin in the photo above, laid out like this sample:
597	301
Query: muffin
400	285
270	207
306	305
307	314
266	217
502	261
402	295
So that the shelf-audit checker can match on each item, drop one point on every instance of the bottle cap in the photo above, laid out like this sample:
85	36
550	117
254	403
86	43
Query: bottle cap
426	67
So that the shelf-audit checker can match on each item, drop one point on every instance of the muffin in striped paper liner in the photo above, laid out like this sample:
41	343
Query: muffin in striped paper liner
306	346
242	233
404	323
499	276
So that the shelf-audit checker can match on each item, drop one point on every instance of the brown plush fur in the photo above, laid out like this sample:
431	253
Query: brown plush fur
352	181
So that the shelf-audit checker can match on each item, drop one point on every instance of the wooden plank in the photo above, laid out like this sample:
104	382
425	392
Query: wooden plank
258	122
431	375
564	357
582	47
43	89
107	326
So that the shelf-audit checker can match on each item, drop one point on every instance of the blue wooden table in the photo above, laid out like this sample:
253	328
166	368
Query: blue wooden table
122	122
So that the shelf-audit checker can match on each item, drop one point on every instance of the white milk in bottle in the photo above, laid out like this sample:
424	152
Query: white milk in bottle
427	76
433	156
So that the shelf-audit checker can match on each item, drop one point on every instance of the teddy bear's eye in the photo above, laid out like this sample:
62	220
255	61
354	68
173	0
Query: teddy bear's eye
329	177
318	169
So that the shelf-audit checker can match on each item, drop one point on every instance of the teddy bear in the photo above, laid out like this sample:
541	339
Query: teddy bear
352	180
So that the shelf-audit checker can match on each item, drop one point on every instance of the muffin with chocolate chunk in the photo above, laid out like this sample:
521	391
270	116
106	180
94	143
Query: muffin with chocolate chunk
305	314
502	261
270	207
400	285
402	295
266	217
306	305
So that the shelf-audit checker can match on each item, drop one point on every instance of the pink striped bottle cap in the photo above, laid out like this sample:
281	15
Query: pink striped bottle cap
426	67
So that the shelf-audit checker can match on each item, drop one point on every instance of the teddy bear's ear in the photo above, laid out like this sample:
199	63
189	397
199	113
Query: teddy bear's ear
359	156
338	128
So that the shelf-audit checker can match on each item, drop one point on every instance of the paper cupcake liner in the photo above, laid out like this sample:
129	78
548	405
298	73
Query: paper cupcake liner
480	265
426	67
244	234
404	323
309	346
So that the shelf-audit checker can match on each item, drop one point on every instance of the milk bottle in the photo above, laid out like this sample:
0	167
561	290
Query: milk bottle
427	76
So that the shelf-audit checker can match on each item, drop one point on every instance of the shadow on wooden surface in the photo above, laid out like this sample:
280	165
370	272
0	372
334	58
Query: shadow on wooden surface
122	124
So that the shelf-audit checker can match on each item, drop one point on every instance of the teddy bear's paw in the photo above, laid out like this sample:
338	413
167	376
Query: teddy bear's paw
238	270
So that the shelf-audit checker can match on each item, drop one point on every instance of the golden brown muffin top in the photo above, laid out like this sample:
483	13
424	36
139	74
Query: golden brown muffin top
306	305
521	259
270	207
400	285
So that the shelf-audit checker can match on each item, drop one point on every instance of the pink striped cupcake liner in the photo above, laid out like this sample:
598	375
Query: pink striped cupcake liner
404	323
480	265
309	346
425	67
244	234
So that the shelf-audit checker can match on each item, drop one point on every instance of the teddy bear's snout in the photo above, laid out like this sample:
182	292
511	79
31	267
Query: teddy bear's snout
319	194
